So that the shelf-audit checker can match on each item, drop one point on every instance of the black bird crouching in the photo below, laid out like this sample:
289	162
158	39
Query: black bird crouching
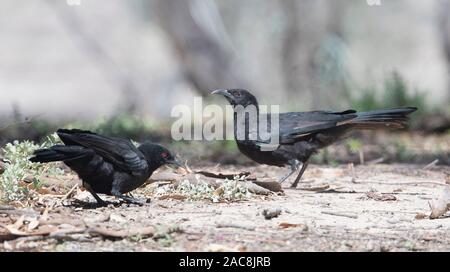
107	165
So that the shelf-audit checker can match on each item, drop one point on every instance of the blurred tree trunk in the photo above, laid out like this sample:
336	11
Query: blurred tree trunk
198	36
299	49
309	24
94	48
444	26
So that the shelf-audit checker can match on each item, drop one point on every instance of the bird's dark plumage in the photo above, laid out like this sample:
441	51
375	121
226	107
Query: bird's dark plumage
107	165
301	134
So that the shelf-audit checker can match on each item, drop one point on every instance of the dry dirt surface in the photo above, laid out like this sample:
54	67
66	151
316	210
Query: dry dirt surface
345	208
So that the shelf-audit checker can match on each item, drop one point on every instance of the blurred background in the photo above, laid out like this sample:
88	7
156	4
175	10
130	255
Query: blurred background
118	67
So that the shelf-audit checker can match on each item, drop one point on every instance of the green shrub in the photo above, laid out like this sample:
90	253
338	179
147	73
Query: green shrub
18	168
354	145
395	93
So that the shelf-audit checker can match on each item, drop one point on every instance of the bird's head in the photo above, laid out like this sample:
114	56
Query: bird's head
238	97
158	155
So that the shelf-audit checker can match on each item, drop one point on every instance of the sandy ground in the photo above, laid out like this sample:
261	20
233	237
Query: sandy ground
370	208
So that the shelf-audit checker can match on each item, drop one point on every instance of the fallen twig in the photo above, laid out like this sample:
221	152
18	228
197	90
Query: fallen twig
320	188
381	197
247	175
175	197
18	212
431	165
273	186
116	234
15	232
286	225
234	226
353	216
256	189
377	161
70	193
57	222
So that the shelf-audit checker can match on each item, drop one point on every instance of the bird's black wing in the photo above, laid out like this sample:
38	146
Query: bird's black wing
120	152
294	125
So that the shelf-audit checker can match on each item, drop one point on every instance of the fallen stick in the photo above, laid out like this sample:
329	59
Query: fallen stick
56	222
42	231
18	212
120	234
70	193
234	226
7	207
334	191
377	161
70	237
353	216
316	189
430	165
273	186
66	232
380	197
225	176
256	189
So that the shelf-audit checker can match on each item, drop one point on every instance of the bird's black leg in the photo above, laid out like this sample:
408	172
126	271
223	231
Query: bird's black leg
294	167
297	180
126	198
100	201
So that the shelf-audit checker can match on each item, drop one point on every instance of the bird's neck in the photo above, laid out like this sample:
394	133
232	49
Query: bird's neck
250	111
252	107
246	120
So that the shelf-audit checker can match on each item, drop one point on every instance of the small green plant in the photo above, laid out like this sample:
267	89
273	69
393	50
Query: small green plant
395	93
18	168
354	145
192	191
127	125
402	152
229	190
333	163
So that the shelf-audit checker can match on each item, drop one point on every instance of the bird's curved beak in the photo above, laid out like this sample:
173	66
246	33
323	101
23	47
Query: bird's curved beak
223	92
177	163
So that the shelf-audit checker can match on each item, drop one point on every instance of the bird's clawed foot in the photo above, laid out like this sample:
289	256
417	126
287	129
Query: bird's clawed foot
299	177
102	203
130	200
89	204
294	167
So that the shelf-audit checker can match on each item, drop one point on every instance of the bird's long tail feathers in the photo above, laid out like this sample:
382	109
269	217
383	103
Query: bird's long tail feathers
390	118
59	153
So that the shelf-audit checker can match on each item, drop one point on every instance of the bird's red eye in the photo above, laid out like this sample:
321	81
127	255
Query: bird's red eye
165	155
238	94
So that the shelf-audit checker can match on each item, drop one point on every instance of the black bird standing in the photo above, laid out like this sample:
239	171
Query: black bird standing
106	165
301	134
